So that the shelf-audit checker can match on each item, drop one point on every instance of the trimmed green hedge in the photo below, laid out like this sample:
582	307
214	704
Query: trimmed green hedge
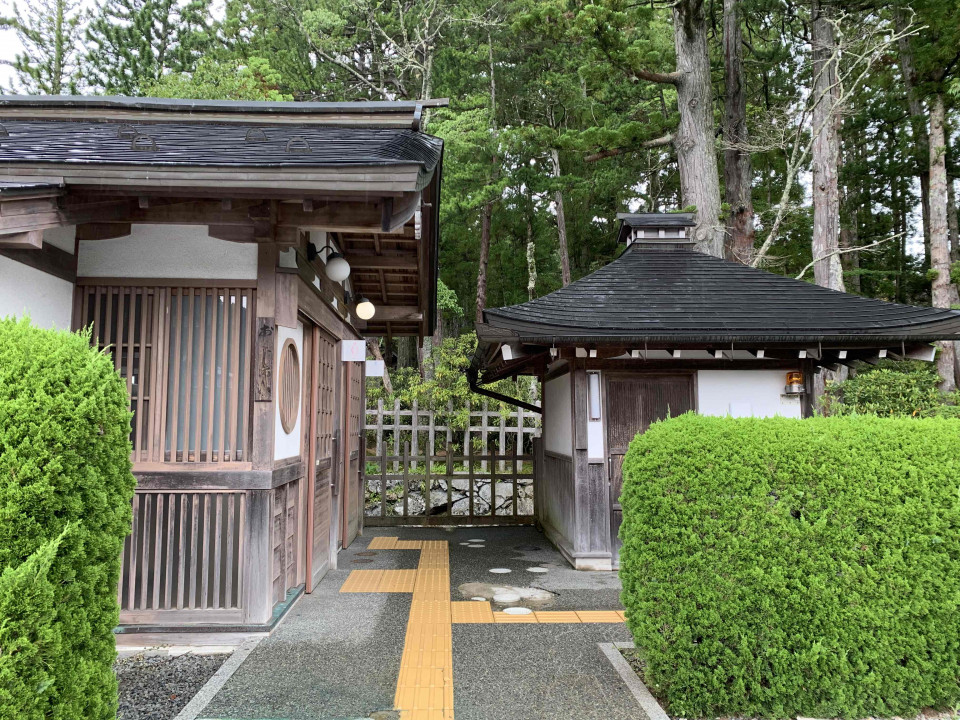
64	463
776	567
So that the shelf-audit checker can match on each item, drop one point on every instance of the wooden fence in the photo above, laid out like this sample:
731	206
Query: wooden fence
421	470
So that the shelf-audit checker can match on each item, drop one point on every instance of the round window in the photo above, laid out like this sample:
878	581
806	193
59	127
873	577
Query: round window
289	397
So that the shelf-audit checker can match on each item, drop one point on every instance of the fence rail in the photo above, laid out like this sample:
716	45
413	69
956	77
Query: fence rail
450	489
422	470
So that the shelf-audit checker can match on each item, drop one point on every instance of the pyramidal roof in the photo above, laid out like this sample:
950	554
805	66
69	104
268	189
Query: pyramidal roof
660	292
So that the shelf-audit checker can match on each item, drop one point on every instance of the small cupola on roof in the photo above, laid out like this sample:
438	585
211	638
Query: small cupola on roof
646	228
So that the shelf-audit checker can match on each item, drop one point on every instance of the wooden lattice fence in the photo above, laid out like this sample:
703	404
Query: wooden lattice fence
423	468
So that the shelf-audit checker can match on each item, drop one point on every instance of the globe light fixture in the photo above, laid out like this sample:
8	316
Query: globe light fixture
337	268
365	308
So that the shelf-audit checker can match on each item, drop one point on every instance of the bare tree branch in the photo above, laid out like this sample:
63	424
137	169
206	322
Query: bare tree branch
844	251
656	142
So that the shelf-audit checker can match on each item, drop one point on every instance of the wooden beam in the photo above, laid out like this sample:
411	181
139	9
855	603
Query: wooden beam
368	261
49	259
22	240
102	231
397	313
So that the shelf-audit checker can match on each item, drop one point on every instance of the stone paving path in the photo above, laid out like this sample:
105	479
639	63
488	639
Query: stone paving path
391	635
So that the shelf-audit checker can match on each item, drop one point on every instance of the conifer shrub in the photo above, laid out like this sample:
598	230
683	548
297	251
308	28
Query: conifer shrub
776	567
65	508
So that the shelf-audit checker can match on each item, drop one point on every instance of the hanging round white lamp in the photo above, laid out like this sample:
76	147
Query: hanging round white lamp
365	308
336	267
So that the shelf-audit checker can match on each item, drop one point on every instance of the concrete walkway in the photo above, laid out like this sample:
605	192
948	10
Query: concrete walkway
414	646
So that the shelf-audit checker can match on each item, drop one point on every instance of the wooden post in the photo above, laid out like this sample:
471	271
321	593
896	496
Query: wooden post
426	486
396	434
406	479
470	478
449	479
515	493
383	485
414	433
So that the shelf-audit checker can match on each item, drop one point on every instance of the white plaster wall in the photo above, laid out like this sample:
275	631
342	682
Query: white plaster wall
62	237
287	445
745	393
168	251
48	300
557	421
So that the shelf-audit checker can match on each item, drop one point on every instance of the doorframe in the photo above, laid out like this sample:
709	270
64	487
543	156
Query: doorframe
606	376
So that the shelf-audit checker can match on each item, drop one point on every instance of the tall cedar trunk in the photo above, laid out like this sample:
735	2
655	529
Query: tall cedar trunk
952	222
737	170
826	152
939	238
696	154
531	261
561	222
917	124
486	214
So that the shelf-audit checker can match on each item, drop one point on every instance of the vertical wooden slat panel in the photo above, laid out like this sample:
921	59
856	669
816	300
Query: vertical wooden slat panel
176	322
217	549
234	389
244	429
212	385
205	558
143	441
132	557
188	378
230	540
171	545
201	367
224	361
159	402
182	554
158	550
145	554
194	537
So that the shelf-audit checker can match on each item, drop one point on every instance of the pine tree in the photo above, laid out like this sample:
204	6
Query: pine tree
50	32
133	43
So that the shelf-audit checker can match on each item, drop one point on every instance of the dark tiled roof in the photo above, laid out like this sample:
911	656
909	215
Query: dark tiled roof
120	102
9	188
643	220
213	144
673	293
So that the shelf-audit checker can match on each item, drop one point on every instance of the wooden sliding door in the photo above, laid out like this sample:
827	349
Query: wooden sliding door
633	403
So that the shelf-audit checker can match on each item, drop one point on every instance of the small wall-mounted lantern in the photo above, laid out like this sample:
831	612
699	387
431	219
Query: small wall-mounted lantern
365	309
336	266
794	384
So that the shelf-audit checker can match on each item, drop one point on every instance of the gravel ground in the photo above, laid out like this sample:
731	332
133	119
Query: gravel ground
157	687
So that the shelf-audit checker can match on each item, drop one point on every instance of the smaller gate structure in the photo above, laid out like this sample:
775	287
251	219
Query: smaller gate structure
423	472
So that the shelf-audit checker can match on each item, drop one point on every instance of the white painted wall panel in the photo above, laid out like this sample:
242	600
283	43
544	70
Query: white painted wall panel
48	300
557	421
63	237
168	251
745	393
287	445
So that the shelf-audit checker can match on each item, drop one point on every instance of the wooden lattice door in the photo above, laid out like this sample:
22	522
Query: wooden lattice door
634	402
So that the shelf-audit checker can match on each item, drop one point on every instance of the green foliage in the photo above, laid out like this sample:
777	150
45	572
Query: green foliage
211	80
50	32
30	638
776	568
131	44
450	359
64	462
891	388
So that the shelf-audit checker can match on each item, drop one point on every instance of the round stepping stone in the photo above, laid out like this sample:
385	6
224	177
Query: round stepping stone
537	570
475	546
464	543
479	599
507	597
481	540
499	571
517	611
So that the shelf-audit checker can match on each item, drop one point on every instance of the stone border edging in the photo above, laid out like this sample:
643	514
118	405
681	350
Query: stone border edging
205	694
648	704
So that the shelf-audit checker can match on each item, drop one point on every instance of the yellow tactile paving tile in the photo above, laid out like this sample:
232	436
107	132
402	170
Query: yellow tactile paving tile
599	616
362	581
506	618
471	611
557	616
397	581
383	543
408	545
622	614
